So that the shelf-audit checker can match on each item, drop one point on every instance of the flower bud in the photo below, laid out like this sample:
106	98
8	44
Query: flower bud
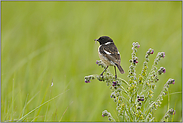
152	51
171	111
138	107
171	81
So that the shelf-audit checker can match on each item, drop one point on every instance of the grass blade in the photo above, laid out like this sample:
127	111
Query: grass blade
39	107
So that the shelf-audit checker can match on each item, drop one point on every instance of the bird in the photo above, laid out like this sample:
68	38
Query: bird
109	54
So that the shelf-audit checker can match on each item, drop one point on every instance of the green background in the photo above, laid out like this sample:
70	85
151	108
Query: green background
45	41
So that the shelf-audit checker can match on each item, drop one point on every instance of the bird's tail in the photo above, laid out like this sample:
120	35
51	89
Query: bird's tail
120	69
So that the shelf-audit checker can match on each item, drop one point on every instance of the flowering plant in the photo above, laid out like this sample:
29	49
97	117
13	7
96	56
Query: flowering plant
134	97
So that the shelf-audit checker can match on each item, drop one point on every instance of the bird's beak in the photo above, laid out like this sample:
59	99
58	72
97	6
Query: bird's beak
95	40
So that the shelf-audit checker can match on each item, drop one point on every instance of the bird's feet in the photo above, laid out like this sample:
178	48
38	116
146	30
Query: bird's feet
102	76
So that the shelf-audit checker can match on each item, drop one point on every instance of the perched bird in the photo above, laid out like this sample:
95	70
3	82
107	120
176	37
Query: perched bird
109	54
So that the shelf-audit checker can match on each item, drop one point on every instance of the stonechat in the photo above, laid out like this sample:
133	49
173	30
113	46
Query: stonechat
109	54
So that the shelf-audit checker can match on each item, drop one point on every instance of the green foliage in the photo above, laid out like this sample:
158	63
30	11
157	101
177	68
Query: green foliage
134	103
42	41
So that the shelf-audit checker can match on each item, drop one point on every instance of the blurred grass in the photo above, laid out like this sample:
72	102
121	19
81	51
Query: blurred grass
42	41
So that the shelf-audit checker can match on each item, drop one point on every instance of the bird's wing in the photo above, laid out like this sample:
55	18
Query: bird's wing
110	51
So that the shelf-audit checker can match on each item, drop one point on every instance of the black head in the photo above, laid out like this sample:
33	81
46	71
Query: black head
104	39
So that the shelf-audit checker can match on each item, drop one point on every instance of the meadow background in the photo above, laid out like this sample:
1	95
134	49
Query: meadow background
45	42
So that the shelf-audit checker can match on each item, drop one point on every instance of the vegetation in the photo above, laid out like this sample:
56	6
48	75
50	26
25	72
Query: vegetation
48	47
